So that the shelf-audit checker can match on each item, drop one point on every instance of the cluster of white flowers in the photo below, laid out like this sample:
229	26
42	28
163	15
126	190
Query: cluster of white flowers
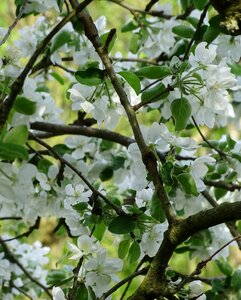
33	260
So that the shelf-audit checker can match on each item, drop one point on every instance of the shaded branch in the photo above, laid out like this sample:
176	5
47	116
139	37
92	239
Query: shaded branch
82	130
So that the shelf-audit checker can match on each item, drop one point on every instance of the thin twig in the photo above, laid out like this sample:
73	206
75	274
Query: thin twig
10	218
122	282
10	256
55	154
203	264
18	83
21	11
196	33
27	233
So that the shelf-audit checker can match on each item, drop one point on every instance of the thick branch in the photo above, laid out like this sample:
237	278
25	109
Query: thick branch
147	155
82	130
154	283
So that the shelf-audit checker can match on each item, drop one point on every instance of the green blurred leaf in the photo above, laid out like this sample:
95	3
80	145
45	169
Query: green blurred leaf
56	76
55	276
183	31
82	292
188	184
122	224
236	280
155	93
154	72
135	42
181	111
200	4
134	252
60	39
132	79
106	174
90	77
43	165
211	34
10	151
17	135
129	26
219	193
24	106
156	209
103	39
123	248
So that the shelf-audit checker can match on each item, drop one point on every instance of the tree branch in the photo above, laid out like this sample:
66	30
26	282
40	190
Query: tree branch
55	154
148	156
18	83
82	130
10	256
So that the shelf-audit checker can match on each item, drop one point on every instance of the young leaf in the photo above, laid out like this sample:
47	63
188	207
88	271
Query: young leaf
187	183
200	4
57	77
156	209
106	174
181	111
17	135
132	79
134	252
183	31
24	106
155	93
103	39
10	151
90	77
122	224
123	248
62	38
154	72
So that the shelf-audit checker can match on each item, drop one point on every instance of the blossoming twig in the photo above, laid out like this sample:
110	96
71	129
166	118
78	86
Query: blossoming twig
10	256
117	209
21	11
203	264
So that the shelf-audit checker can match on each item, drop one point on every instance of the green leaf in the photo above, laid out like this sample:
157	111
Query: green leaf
43	165
219	193
183	31
62	149
185	4
55	276
82	292
90	77
62	38
122	224
57	77
236	279
129	26
106	174
60	4
103	39
24	106
211	34
156	209
193	21
181	111
155	93
187	183
200	4
123	248
99	231
17	135
135	43
235	69
134	252
132	79
154	72
10	151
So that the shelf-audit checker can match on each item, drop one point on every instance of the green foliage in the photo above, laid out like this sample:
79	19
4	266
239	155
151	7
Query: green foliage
132	79
90	77
181	111
154	72
24	106
122	224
